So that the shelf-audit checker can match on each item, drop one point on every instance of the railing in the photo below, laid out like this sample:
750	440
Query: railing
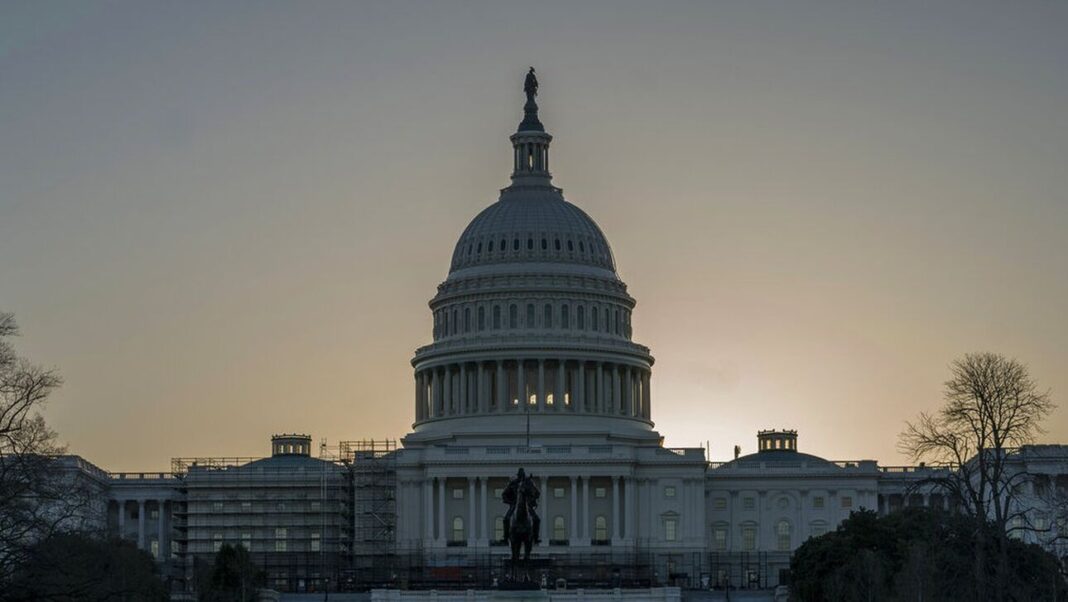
141	476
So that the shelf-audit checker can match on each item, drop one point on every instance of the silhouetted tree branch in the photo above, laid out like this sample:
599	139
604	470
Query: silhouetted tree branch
992	406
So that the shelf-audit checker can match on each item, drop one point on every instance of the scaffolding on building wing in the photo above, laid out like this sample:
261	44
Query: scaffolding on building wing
374	474
295	518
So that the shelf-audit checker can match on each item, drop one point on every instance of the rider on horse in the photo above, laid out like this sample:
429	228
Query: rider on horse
530	494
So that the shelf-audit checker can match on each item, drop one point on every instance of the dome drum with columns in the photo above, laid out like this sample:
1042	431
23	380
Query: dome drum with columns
532	312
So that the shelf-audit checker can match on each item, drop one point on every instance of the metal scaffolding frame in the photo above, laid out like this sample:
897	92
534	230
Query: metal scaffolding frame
374	475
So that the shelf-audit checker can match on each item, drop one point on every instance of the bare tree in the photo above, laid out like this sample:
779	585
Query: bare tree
992	406
41	492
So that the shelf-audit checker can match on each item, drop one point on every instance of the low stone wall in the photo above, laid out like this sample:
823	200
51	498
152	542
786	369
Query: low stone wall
653	594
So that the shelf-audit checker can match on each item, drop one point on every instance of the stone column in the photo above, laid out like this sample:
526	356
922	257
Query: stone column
598	393
630	512
521	389
122	518
435	393
471	512
616	529
428	512
481	398
141	524
159	536
502	386
418	406
628	391
559	394
647	396
582	386
617	400
546	518
572	533
462	406
447	398
541	385
586	510
482	529
441	509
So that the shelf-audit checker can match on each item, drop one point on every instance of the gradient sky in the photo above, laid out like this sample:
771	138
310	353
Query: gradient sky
221	220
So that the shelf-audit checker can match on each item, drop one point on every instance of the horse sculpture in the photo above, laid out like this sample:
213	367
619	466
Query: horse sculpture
521	529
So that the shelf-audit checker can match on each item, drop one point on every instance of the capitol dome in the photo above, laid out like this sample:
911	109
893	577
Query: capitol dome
532	325
533	226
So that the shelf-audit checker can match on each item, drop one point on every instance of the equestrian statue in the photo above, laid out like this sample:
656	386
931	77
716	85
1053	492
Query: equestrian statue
522	525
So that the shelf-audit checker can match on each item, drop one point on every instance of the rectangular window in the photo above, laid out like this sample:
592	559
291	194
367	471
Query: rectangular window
246	540
154	548
599	492
498	492
315	542
458	493
817	502
246	506
174	549
669	491
847	502
558	492
748	503
216	542
315	506
720	503
671	528
748	538
217	506
719	539
153	514
280	539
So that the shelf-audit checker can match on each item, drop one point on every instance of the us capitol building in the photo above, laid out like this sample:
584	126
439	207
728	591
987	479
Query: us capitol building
533	363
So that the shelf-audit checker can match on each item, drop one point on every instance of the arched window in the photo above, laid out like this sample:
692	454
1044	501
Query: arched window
530	244
719	537
455	321
530	315
504	245
749	537
582	247
544	244
548	321
489	248
457	528
559	528
513	316
782	531
445	323
619	323
482	318
565	317
496	317
557	241
515	244
600	528
593	319
479	248
581	317
570	245
467	319
498	528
